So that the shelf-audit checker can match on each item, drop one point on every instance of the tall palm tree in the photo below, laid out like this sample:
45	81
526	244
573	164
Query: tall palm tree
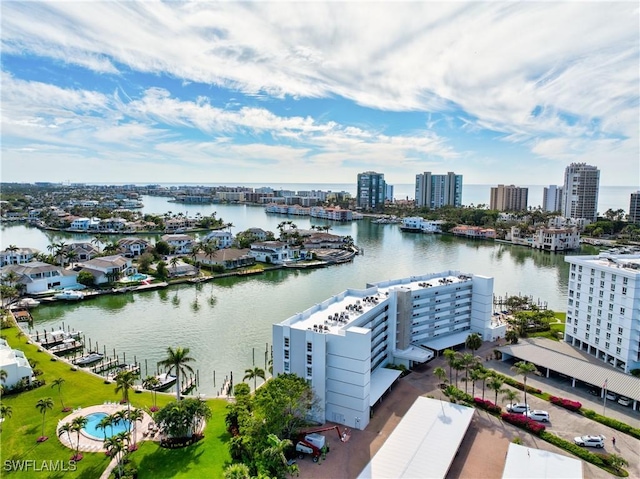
524	369
510	396
177	360
105	422
495	384
125	380
450	356
57	383
6	411
66	428
467	361
174	263
473	376
134	416
254	374
72	256
440	373
115	446
473	342
151	382
77	424
43	405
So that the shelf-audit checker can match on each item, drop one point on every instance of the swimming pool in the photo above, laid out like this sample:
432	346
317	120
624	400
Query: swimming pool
92	430
137	277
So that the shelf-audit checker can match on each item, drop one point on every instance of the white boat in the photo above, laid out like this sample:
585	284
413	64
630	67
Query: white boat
27	303
69	295
165	381
88	359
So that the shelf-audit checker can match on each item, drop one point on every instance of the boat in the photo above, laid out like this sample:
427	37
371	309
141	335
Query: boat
166	380
27	303
88	359
69	295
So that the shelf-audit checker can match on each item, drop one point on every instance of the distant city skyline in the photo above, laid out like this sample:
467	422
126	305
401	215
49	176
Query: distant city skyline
317	92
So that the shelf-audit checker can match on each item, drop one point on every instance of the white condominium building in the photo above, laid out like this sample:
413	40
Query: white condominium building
603	308
342	345
580	191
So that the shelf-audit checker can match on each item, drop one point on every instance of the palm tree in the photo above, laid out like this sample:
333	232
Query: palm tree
473	342
3	375
125	380
72	256
115	446
77	424
495	384
151	382
6	411
237	471
177	360
524	369
134	416
42	405
510	396
254	374
105	422
511	336
467	361
58	383
450	356
274	456
474	375
440	373
66	428
174	263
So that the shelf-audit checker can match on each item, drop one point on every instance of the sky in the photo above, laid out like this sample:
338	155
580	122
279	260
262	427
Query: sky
317	92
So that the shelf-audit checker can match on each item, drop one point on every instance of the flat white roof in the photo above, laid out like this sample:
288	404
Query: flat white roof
446	341
381	380
528	463
423	444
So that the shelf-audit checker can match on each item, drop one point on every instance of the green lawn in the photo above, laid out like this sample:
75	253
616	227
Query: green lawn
80	389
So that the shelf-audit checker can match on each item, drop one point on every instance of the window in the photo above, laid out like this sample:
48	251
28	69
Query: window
609	316
580	269
568	319
618	350
602	274
586	336
619	340
606	345
309	372
573	267
570	302
600	303
309	359
286	342
598	321
625	280
575	330
602	284
579	277
611	307
593	272
608	336
597	340
590	292
286	366
578	294
601	294
592	281
613	287
619	330
588	327
597	331
608	326
612	297
571	293
624	290
588	309
286	354
599	312
588	317
622	311
309	347
613	278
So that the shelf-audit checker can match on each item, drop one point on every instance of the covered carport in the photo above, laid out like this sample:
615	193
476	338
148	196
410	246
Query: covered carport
577	369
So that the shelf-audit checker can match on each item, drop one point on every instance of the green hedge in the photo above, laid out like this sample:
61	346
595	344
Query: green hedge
614	423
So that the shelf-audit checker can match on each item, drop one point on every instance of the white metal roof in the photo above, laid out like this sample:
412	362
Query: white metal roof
617	382
381	380
423	444
528	463
447	341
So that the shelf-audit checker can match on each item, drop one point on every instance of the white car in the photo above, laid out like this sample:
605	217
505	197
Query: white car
537	415
611	396
518	408
590	441
624	401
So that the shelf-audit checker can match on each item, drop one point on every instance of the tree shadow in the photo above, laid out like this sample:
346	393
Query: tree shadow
169	462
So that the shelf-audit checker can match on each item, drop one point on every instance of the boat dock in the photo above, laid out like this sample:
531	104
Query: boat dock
66	347
188	385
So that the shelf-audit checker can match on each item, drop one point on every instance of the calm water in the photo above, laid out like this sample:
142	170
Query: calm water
227	323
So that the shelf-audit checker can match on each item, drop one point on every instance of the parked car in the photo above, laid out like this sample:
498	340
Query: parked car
590	441
518	408
611	396
537	415
624	401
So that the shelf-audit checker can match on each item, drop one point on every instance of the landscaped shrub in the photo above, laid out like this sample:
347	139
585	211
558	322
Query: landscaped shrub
581	452
523	422
487	405
613	423
517	384
566	403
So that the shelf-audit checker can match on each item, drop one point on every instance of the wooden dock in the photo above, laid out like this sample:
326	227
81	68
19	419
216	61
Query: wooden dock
66	348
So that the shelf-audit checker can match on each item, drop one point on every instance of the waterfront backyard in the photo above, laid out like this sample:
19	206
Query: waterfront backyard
20	431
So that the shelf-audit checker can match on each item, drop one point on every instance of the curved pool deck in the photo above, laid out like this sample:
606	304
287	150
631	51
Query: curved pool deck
91	444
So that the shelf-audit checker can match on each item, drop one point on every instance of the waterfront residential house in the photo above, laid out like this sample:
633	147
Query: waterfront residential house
133	247
107	269
229	258
18	256
322	240
556	239
519	236
342	345
273	252
85	224
258	233
602	308
474	232
417	224
38	277
222	239
15	364
82	251
180	243
181	269
113	224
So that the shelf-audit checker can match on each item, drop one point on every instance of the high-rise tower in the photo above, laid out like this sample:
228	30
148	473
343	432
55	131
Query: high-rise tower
435	191
372	190
580	191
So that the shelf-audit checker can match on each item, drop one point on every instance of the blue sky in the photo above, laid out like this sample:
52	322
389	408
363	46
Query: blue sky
316	92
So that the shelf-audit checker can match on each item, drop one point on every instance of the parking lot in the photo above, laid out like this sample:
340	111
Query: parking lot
482	453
